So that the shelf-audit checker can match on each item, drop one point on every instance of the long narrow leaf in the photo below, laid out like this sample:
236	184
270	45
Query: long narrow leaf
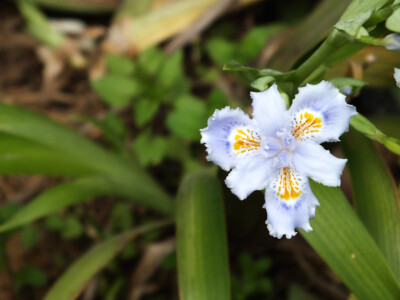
19	155
59	197
344	243
79	273
32	126
203	270
66	149
363	125
325	15
375	196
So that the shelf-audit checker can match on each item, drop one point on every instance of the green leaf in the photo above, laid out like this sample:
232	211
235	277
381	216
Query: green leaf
72	228
117	90
150	60
347	81
145	110
54	223
359	7
170	71
119	65
254	41
58	197
388	123
188	117
20	155
70	284
50	138
393	22
248	73
121	217
29	237
203	270
65	146
150	150
29	276
375	196
363	125
298	293
221	51
217	99
352	25
38	25
7	210
251	74
344	243
113	129
326	14
262	83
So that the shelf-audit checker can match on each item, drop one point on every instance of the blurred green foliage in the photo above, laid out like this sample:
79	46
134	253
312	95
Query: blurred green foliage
252	279
154	111
223	50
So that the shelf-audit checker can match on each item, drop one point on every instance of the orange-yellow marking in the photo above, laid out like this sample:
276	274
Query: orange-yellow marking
245	140
288	187
306	124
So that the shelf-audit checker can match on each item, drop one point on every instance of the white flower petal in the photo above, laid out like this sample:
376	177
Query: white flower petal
392	42
328	114
284	216
269	110
397	76
315	162
219	137
250	174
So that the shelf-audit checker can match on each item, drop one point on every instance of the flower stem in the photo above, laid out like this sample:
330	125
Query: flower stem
318	59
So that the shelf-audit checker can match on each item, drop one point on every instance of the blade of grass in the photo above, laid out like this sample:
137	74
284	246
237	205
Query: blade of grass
363	125
20	155
38	26
375	195
325	15
341	239
31	126
71	283
62	142
79	6
59	197
203	269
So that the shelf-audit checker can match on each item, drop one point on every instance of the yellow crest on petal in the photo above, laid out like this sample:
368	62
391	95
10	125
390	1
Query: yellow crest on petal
288	185
306	124
245	140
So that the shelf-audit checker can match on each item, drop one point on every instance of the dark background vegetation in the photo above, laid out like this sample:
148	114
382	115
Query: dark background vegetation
262	267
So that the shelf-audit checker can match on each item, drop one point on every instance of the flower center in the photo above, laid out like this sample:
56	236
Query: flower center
280	147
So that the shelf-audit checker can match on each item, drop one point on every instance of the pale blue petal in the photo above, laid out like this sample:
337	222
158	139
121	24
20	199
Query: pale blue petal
216	136
284	217
251	174
392	42
326	102
315	162
397	76
269	111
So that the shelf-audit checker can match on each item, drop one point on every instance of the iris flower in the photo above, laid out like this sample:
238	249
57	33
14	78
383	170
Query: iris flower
278	150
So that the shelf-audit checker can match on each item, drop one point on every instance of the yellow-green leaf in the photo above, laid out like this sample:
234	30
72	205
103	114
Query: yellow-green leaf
375	196
70	284
363	125
344	243
58	197
393	22
203	270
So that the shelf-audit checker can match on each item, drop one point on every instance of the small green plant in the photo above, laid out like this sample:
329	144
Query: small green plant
251	279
